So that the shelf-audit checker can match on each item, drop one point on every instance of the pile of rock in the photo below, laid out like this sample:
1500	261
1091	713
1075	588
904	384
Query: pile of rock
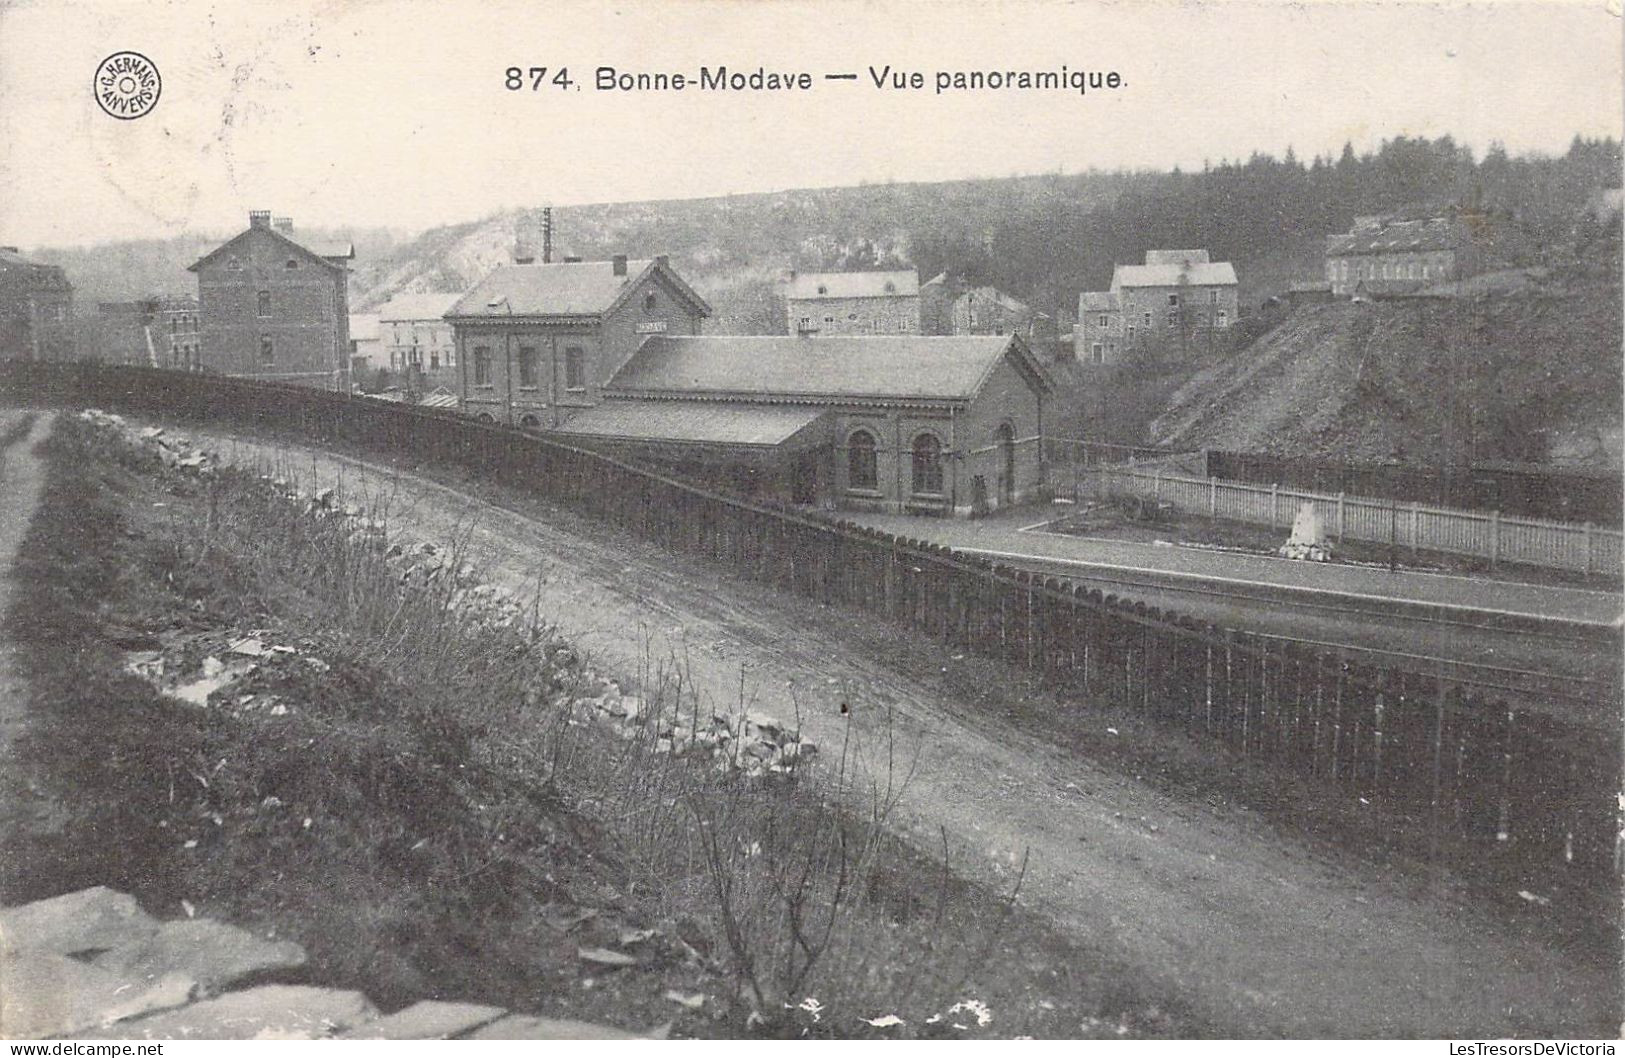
172	450
750	743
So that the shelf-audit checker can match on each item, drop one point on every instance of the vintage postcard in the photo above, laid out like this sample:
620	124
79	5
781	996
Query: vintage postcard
811	519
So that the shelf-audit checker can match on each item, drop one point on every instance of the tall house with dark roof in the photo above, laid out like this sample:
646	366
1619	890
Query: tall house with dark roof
36	309
833	303
273	306
1384	255
1178	301
533	342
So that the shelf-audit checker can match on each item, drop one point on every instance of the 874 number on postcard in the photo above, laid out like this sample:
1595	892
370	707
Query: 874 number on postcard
536	76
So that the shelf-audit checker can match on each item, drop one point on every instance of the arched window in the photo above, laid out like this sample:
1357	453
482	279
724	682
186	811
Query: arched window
861	469
530	422
927	465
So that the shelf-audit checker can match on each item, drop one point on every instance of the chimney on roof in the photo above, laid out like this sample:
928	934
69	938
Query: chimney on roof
283	225
259	218
662	260
618	262
10	249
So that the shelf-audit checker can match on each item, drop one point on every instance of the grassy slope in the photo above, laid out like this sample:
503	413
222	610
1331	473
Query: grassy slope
418	847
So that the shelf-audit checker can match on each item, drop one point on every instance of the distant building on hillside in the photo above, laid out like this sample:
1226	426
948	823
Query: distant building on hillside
988	310
36	309
176	323
1383	255
533	342
1178	301
416	338
836	303
272	306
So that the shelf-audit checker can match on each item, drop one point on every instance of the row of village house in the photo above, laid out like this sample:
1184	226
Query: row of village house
883	393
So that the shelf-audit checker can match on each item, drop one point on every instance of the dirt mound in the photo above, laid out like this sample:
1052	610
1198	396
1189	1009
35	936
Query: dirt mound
1521	365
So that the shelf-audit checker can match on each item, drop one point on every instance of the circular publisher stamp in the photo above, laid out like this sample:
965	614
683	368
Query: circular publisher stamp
127	85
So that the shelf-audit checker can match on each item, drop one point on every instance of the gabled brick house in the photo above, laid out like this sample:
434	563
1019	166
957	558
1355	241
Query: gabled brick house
835	303
933	425
1177	302
272	306
533	342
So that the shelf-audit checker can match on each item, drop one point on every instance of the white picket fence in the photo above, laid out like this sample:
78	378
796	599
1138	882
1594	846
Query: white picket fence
1555	545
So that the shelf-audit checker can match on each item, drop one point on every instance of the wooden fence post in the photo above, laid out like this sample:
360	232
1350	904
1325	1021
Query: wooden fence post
1340	517
1212	496
1416	529
1590	543
1275	504
1495	538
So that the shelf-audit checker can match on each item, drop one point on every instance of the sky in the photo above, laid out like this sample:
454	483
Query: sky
395	113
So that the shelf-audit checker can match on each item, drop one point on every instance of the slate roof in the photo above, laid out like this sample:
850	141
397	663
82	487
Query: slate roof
571	288
814	285
1173	257
1098	301
403	307
749	425
830	370
1400	236
330	254
1215	274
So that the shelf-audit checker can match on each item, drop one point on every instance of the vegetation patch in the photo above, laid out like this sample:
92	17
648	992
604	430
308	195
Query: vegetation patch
259	705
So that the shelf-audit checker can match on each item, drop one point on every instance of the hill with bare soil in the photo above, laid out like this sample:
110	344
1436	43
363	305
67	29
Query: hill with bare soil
1518	365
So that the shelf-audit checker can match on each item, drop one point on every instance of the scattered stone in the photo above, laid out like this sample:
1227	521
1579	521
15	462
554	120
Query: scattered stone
525	1027
93	919
211	953
605	957
691	1000
270	1012
44	994
428	1020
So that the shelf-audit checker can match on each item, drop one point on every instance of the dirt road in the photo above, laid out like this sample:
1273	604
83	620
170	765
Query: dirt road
22	479
1265	935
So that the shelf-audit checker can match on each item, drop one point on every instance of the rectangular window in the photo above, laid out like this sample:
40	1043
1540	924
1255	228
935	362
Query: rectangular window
1173	320
527	367
1213	296
434	360
902	327
267	351
1100	352
1148	319
1173	299
575	369
482	365
829	319
265	303
1223	319
1131	334
1103	322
